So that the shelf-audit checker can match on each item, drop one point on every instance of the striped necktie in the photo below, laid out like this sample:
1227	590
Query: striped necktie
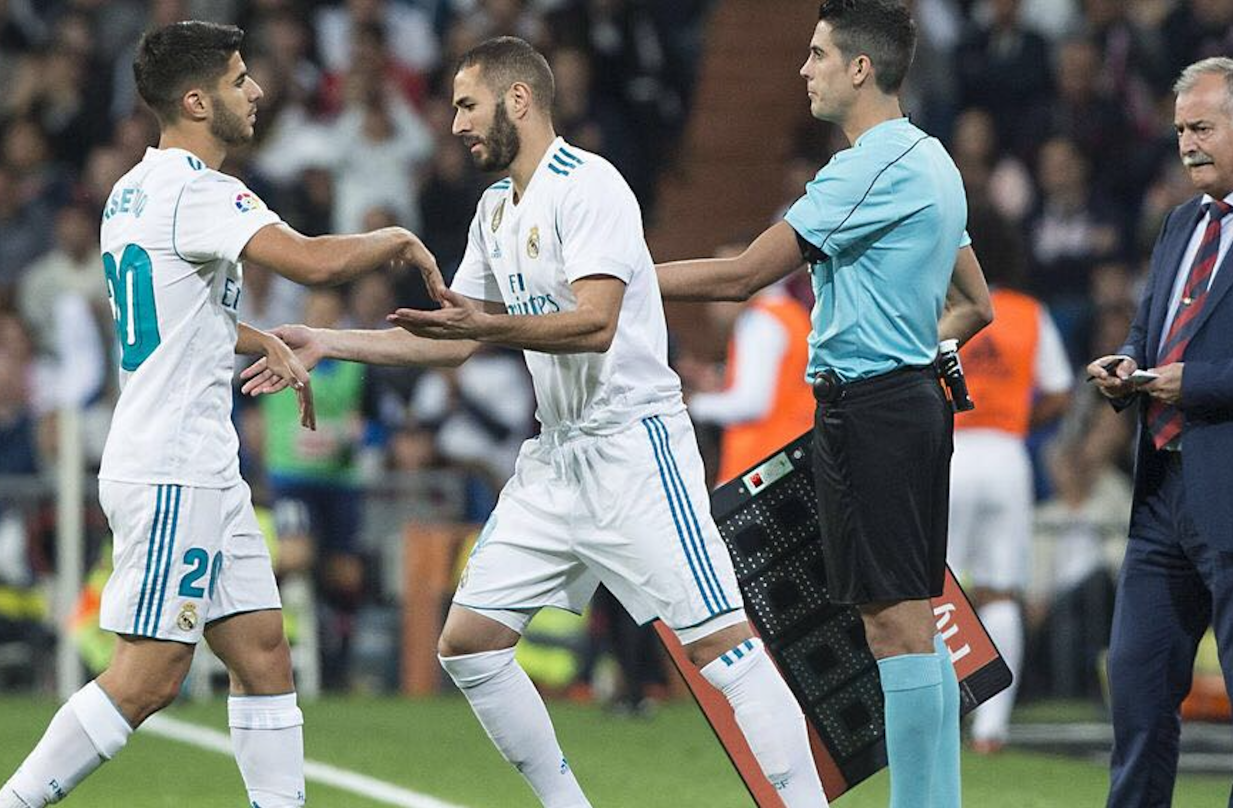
1164	421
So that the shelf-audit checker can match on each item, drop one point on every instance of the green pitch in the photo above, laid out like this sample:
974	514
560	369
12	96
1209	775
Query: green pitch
435	747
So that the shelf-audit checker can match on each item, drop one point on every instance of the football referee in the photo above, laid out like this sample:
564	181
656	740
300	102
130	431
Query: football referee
882	227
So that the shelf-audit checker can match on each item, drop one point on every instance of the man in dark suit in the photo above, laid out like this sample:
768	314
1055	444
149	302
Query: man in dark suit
1178	574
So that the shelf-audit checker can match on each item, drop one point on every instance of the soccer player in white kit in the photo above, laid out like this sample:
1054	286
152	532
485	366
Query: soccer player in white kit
189	557
612	489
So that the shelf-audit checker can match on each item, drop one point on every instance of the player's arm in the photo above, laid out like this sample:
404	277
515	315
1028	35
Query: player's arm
968	307
391	346
588	328
1052	372
760	343
217	217
325	260
773	255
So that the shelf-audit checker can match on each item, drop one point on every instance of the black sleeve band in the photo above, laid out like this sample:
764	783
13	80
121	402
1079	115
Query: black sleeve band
810	253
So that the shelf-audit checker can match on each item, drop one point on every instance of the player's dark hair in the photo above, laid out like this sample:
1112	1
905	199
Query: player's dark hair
880	29
173	59
508	59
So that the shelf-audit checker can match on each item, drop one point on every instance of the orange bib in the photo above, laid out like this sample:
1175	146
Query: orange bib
791	412
1000	365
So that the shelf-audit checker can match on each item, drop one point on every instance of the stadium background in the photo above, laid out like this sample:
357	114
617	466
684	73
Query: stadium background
1058	113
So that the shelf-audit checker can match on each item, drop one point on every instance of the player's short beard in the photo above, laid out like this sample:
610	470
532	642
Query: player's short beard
502	141
227	126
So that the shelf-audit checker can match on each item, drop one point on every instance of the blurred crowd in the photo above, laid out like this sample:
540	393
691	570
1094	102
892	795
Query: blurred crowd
353	134
1058	113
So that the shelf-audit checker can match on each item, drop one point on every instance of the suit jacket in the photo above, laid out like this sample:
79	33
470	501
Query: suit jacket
1207	383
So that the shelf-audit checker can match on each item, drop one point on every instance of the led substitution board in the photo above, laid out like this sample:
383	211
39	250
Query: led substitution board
768	518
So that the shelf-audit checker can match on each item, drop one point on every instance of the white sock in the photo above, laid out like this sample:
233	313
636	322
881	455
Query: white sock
513	714
1003	620
267	734
84	733
9	799
771	721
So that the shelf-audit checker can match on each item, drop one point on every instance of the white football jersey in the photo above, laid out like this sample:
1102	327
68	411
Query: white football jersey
577	217
171	239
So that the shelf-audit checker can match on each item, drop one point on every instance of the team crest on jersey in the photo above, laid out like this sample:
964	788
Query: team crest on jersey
497	215
246	201
187	619
533	243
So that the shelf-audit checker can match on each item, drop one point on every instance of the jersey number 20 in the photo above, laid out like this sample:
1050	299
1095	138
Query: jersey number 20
130	289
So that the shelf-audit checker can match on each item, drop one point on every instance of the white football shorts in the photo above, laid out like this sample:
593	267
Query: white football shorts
629	510
990	510
183	557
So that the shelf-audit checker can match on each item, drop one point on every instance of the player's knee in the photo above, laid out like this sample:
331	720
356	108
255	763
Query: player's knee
461	643
466	632
139	703
706	650
273	647
704	644
894	632
164	695
259	662
450	645
265	668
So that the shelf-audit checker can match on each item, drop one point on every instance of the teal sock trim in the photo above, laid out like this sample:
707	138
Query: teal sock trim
909	671
912	686
947	791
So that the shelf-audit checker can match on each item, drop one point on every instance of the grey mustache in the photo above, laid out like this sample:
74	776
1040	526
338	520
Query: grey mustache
1196	159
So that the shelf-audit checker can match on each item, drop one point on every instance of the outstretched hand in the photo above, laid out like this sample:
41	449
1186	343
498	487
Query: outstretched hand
456	319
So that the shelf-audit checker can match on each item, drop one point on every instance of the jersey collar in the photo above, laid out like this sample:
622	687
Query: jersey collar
892	123
155	153
542	168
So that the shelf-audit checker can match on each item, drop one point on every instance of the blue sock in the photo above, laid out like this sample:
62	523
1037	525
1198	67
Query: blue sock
946	792
912	685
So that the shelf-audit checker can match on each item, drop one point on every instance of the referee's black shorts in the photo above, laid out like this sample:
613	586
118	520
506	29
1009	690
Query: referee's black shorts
881	462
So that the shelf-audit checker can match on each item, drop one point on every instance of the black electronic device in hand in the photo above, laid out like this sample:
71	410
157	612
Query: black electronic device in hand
1110	366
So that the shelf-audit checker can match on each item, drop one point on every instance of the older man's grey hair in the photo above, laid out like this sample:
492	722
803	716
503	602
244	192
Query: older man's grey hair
1214	66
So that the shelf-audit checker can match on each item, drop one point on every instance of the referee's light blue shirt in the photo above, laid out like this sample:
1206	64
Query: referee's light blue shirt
889	214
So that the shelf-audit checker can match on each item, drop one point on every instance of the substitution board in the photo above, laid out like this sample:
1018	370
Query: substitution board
768	518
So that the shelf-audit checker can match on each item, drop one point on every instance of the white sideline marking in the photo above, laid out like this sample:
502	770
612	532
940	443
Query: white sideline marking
356	783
